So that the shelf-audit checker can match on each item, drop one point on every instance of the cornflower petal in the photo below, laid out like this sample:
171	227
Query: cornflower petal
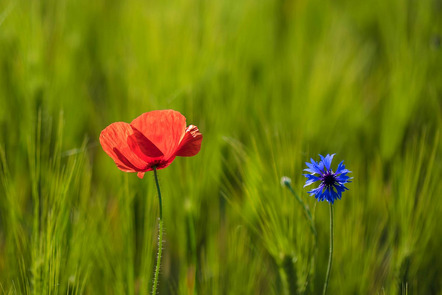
319	165
327	160
342	178
311	179
331	184
312	168
341	167
316	191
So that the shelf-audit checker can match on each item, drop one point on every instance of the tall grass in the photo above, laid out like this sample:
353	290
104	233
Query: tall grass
270	84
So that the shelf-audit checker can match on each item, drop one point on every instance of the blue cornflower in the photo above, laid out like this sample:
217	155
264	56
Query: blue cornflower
332	183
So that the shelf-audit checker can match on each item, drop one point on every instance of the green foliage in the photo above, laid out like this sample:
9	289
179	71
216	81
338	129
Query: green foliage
270	84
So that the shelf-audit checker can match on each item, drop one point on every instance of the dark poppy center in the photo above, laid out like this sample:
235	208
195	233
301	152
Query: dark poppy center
159	164
329	179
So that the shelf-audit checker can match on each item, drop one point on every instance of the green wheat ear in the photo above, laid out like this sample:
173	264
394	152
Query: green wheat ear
289	267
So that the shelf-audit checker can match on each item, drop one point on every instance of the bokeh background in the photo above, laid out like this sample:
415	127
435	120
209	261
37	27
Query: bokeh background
270	83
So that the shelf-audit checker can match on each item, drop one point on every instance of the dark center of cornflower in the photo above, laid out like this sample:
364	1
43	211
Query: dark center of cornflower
329	179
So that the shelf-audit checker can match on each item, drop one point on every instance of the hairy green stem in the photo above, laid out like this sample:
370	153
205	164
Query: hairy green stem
327	276
160	236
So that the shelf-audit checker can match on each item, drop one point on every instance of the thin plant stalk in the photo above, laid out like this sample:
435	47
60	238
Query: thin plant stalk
308	215
160	236
191	228
327	276
307	212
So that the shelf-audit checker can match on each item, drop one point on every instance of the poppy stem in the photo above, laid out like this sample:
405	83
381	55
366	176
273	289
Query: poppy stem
327	276
160	236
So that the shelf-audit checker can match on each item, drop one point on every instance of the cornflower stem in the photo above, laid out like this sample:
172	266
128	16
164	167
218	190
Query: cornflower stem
307	212
327	276
160	236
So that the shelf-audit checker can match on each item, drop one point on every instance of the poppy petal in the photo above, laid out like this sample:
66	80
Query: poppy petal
164	129
143	147
114	140
126	164
191	143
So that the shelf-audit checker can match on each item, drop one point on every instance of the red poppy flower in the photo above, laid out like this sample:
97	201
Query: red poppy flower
153	139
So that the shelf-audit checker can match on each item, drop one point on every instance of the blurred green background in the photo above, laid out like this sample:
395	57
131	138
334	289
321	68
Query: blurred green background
270	83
